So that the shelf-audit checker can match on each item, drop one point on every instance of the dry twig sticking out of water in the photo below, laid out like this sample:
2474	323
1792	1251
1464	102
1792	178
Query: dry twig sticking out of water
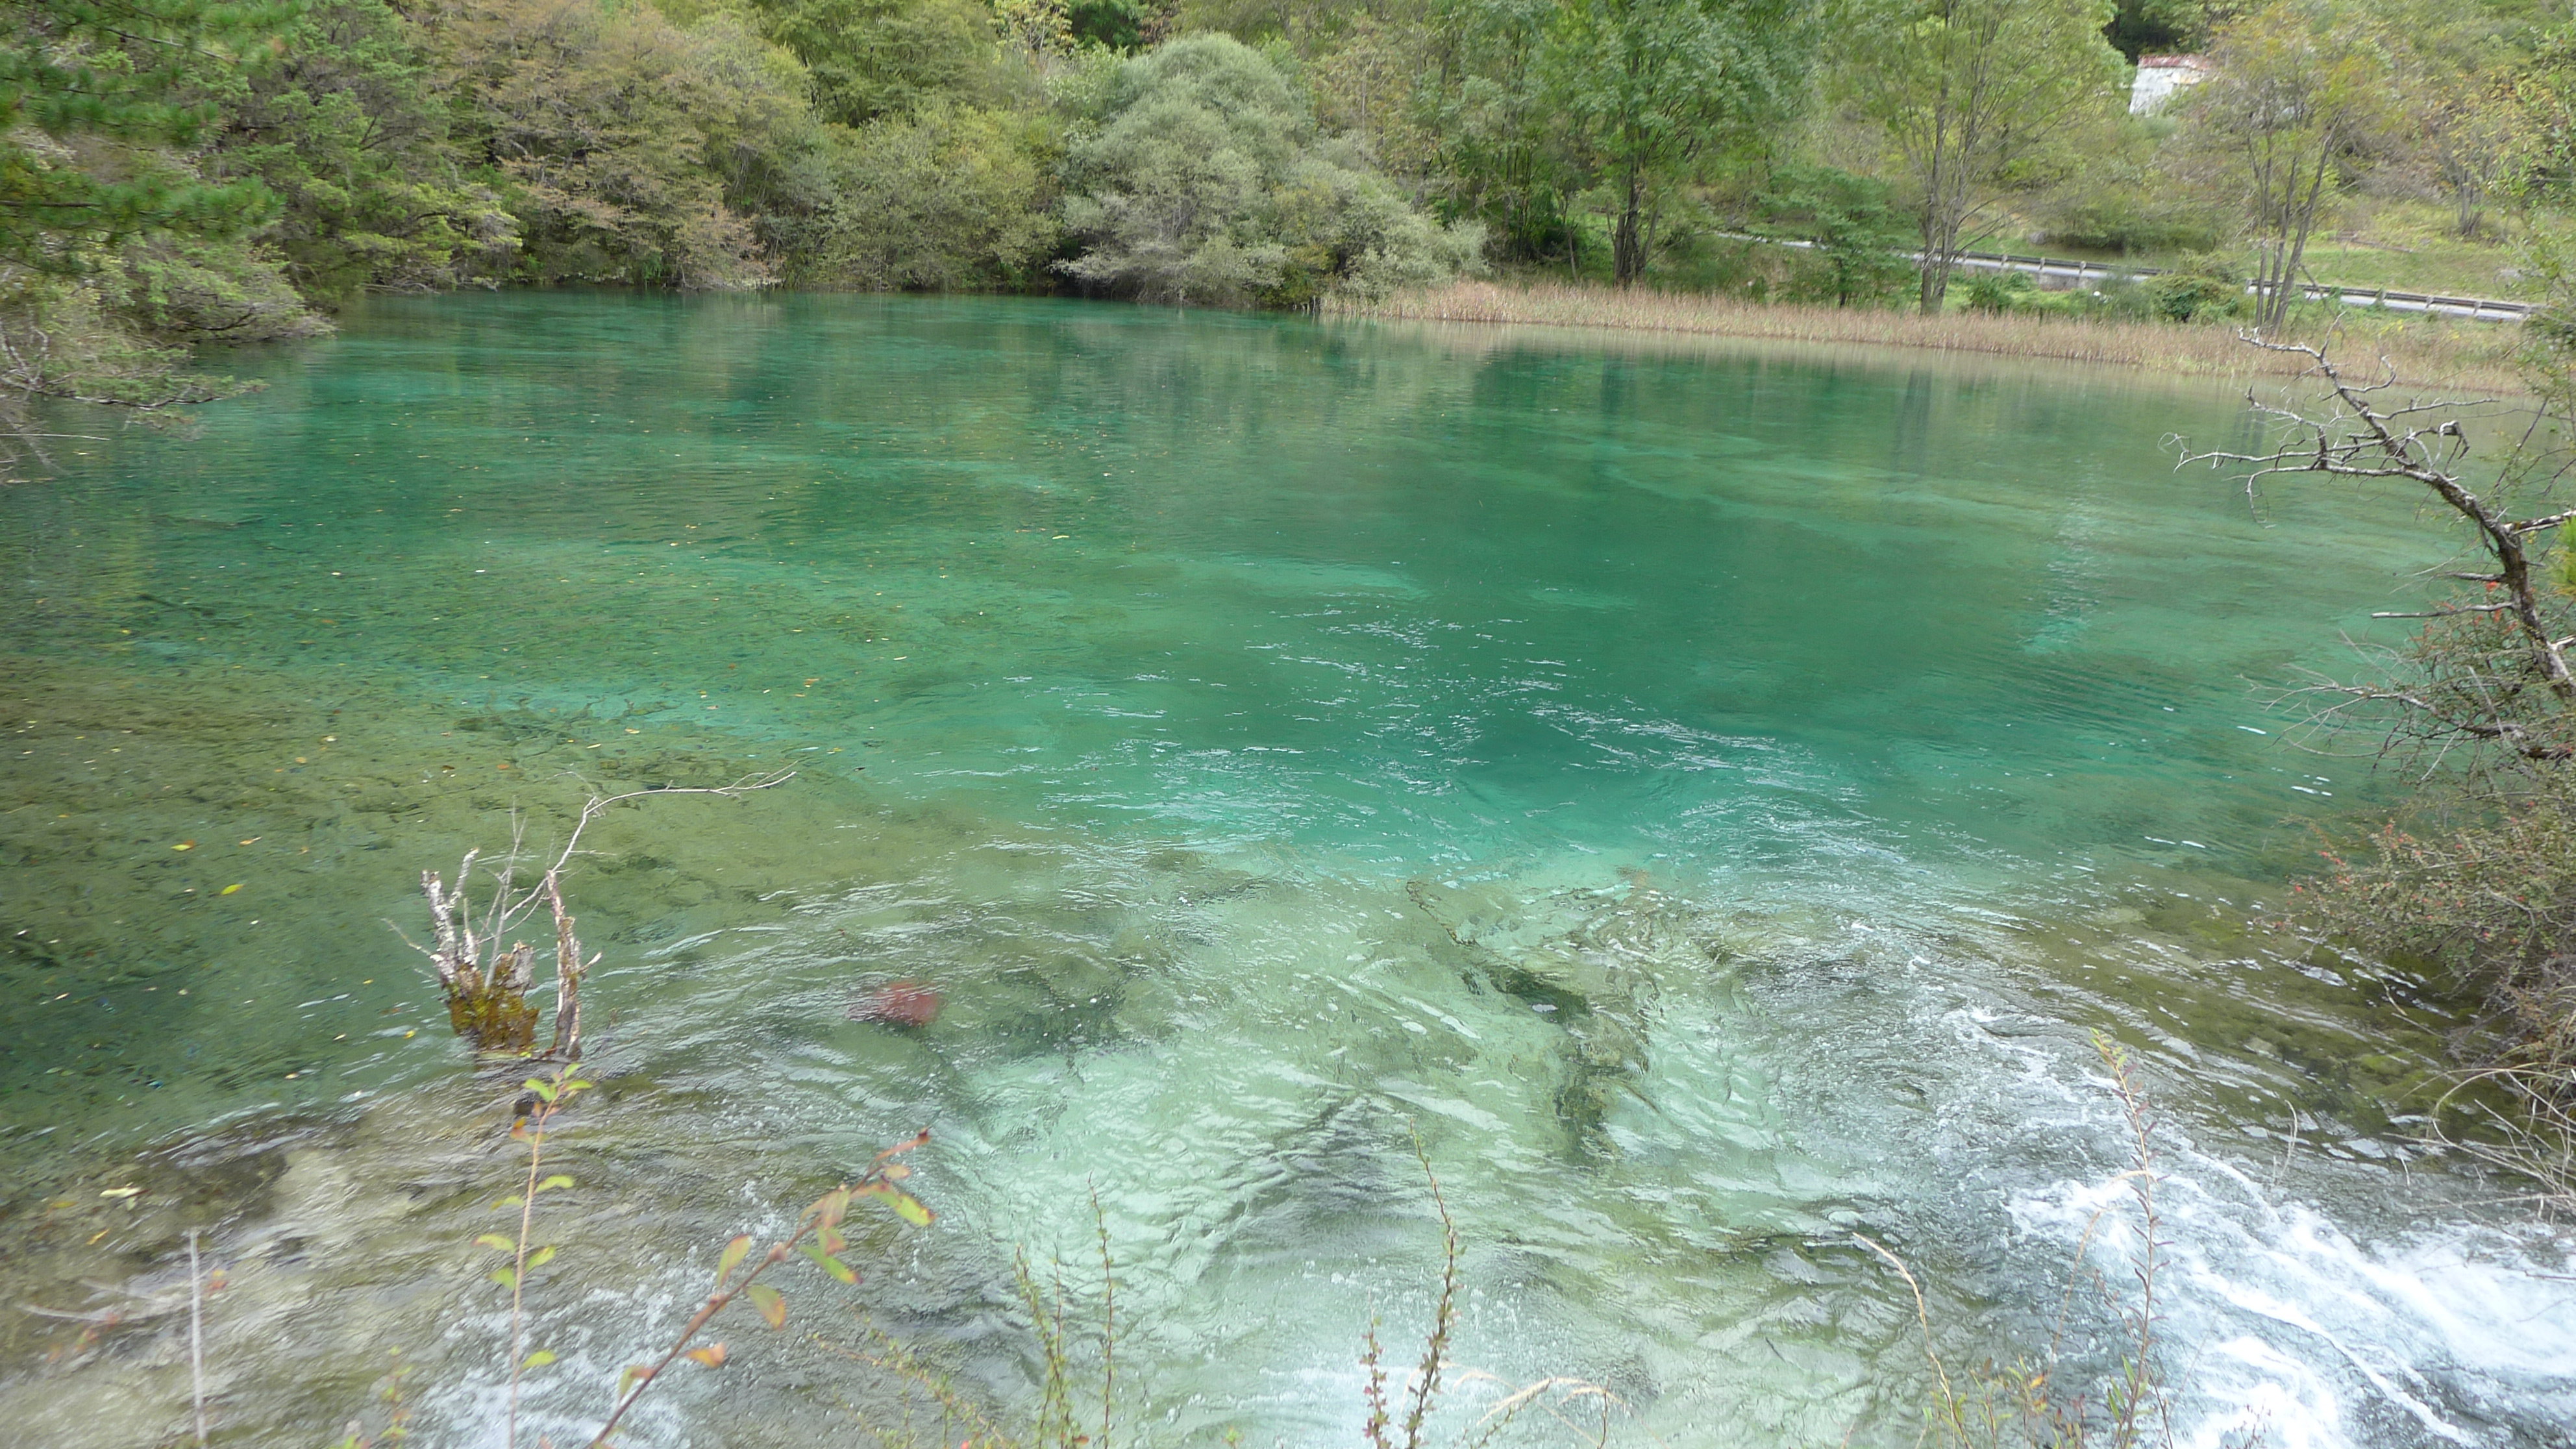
486	986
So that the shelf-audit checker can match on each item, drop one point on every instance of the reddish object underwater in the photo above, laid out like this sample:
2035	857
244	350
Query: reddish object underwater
900	1003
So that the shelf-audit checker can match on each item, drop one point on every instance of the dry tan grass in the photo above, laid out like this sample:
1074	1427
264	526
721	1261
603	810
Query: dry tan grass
2470	356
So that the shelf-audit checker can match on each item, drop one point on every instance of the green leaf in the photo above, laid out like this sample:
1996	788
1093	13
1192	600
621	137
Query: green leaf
556	1181
828	1263
908	1207
772	1307
539	1359
575	1085
734	1253
513	1200
499	1242
506	1277
542	1088
541	1257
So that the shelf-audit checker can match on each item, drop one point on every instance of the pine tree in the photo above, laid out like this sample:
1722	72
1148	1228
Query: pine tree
93	95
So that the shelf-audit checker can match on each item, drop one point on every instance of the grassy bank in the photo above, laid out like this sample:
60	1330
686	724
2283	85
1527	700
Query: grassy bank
2476	357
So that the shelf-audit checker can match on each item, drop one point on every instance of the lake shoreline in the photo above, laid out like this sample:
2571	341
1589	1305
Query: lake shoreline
2423	356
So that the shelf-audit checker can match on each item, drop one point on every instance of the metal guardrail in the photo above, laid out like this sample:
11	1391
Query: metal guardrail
2476	309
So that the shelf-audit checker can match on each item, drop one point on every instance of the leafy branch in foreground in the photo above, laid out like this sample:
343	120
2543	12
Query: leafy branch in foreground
821	1223
550	1094
817	1237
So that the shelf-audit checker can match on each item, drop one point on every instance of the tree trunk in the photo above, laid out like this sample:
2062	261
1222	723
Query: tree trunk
2277	272
1627	240
1940	256
1944	210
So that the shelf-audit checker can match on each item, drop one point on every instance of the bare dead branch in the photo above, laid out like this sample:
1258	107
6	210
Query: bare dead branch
485	985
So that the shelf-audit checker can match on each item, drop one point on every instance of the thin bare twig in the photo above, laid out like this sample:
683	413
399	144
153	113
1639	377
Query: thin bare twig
196	1341
1923	1317
1444	1314
1108	1319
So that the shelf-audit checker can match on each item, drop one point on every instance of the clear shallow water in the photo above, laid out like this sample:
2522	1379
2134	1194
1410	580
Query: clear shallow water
1251	726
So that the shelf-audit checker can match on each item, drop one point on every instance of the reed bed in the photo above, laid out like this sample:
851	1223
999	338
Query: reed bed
2473	356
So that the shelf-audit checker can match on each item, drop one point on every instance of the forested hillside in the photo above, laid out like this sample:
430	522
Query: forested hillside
182	171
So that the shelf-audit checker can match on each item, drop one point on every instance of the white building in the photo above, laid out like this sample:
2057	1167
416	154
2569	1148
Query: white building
2161	77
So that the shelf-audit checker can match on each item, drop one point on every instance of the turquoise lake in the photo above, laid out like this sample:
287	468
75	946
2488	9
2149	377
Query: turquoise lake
1704	797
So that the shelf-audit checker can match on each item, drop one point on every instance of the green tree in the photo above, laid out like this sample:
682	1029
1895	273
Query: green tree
952	198
2532	107
871	58
1367	84
1122	25
1848	224
2447	64
341	124
1971	98
115	250
1653	88
626	143
2299	94
1497	153
81	80
1204	180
